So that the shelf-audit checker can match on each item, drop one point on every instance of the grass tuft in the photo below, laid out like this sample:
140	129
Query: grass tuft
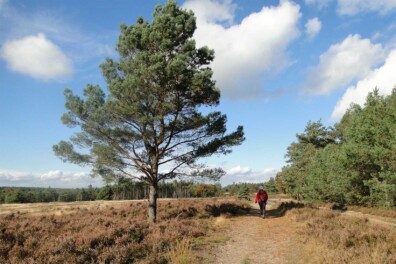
181	253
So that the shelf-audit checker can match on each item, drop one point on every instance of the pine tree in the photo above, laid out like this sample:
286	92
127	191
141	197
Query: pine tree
151	115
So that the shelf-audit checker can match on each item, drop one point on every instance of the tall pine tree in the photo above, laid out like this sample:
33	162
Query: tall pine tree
151	116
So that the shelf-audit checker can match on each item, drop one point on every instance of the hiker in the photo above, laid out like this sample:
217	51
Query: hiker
261	198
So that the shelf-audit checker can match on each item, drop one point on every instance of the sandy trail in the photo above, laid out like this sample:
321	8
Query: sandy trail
257	240
273	240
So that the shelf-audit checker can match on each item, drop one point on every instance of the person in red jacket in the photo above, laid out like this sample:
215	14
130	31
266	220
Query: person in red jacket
261	199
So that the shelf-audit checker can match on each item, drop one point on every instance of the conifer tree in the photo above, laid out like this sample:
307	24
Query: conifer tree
151	116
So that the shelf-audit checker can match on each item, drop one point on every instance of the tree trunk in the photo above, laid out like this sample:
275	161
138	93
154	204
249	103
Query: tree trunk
152	209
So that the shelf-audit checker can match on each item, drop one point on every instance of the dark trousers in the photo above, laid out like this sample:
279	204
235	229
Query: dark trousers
262	207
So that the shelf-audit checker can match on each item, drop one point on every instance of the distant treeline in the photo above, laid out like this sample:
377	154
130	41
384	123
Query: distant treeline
353	162
126	189
245	189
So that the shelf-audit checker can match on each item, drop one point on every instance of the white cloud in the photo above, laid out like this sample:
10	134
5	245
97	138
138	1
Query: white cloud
353	7
53	178
384	78
342	63
212	11
318	3
246	174
37	57
51	175
245	52
238	170
81	46
313	27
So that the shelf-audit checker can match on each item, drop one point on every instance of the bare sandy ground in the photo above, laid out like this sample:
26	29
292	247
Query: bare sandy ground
257	240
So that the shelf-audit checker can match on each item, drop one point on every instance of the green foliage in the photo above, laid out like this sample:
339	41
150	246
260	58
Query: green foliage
280	184
244	192
123	189
151	116
370	143
326	180
300	155
67	196
246	189
357	165
105	193
205	190
16	196
270	186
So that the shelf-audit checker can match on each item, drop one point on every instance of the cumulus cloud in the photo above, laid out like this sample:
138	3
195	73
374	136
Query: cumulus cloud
384	78
353	7
313	27
238	170
53	178
37	57
246	51
51	175
81	46
318	3
246	174
212	11
342	63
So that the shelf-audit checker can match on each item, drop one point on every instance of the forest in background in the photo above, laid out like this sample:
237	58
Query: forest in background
352	162
126	189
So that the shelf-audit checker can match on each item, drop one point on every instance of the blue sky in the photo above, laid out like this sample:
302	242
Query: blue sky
278	64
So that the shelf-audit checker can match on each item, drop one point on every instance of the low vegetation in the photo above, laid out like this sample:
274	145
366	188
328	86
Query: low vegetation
112	235
331	237
385	212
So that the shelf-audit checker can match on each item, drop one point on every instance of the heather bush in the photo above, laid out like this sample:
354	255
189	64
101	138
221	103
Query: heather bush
108	234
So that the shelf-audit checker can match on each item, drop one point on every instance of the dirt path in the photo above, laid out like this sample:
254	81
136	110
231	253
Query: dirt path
374	219
387	221
272	240
256	240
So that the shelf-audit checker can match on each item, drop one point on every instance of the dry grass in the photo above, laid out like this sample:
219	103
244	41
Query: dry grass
181	252
102	233
38	209
279	196
329	237
376	211
385	212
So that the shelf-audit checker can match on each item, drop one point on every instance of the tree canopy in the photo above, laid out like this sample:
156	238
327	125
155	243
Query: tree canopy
353	162
151	116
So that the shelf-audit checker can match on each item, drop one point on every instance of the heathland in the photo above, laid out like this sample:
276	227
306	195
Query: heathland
211	230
